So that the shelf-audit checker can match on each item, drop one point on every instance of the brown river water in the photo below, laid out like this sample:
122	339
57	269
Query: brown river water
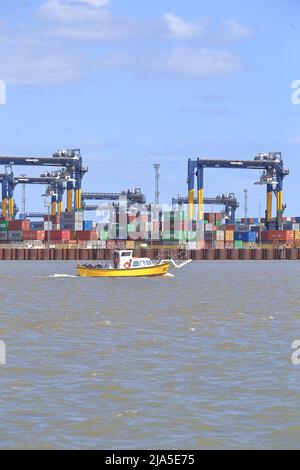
198	360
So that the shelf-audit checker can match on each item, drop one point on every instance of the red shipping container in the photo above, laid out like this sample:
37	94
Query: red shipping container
228	245
156	226
200	244
278	235
111	244
230	227
59	235
86	235
19	225
131	218
33	235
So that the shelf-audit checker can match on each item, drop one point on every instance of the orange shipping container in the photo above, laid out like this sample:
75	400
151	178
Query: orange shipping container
219	245
297	235
33	235
111	244
277	235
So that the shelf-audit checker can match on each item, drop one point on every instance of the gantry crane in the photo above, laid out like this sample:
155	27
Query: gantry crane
55	181
271	164
133	196
7	180
69	159
228	200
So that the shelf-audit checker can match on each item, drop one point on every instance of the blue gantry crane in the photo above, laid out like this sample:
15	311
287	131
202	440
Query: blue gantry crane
134	196
70	160
228	200
273	173
55	181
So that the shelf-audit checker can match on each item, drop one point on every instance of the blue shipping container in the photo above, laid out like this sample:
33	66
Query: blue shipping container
87	225
249	237
36	225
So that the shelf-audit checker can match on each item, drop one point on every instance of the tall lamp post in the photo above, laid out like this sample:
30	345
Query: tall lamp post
47	205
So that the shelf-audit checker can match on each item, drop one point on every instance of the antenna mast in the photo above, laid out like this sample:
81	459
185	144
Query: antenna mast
157	175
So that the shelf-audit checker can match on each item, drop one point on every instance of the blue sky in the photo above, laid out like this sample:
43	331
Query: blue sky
132	82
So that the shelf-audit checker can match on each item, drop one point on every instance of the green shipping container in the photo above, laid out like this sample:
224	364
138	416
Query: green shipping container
133	227
238	244
3	225
191	235
176	235
180	235
104	236
177	215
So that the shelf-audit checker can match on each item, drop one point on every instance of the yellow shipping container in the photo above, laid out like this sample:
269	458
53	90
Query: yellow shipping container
229	235
297	235
130	244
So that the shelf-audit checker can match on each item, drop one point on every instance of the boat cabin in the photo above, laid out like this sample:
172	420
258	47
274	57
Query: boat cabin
123	259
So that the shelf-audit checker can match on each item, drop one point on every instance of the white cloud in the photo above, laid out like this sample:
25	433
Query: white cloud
180	29
93	19
205	29
72	10
234	31
88	19
198	62
94	3
24	62
29	56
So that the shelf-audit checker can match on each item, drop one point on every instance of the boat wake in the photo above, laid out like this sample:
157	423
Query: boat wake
61	275
168	275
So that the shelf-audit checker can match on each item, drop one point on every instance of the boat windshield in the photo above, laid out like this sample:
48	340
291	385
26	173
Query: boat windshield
140	263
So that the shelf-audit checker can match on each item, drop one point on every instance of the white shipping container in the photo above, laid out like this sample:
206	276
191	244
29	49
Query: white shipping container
101	244
243	228
192	245
296	227
208	227
47	225
79	216
220	235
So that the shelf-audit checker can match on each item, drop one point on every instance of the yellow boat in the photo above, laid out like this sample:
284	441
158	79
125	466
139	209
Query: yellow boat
125	265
